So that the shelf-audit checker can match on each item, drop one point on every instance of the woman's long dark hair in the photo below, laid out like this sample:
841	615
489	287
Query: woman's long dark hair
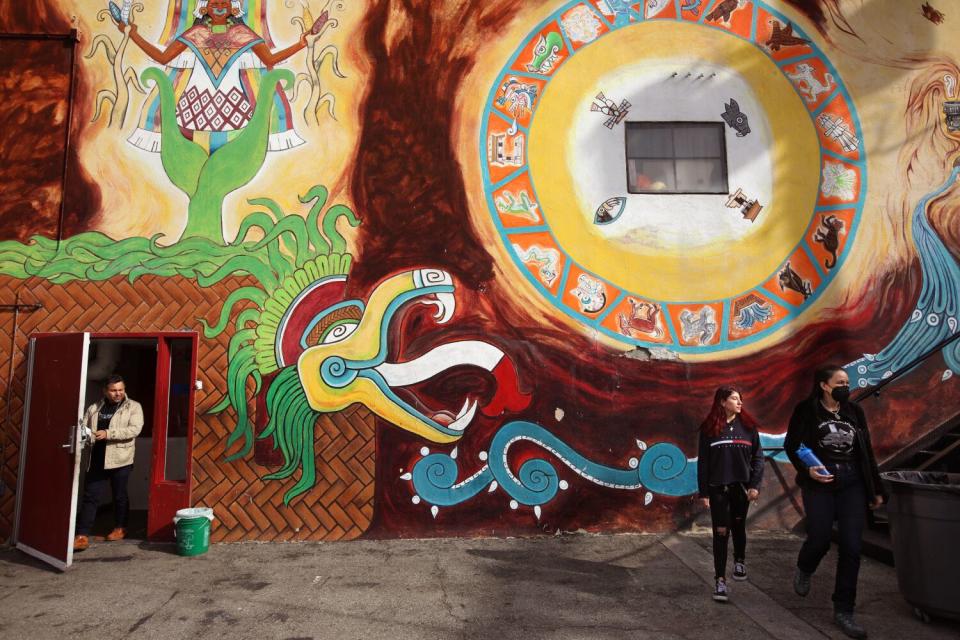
717	418
823	374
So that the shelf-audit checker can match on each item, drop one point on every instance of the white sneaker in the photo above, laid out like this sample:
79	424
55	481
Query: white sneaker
720	593
739	571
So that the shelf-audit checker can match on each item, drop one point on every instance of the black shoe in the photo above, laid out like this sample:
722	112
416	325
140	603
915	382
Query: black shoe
801	583
739	571
848	625
720	593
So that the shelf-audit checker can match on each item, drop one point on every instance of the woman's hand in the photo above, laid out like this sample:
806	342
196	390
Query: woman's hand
752	495
705	502
876	502
815	473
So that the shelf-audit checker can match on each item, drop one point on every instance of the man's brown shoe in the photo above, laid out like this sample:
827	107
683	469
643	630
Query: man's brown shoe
117	534
80	543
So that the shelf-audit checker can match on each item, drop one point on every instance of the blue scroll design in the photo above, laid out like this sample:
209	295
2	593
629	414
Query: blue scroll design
662	469
936	313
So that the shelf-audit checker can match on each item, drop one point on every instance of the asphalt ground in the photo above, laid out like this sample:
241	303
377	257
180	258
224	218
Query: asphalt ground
572	586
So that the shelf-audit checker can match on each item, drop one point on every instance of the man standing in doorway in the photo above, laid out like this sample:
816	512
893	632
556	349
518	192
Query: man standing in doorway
115	421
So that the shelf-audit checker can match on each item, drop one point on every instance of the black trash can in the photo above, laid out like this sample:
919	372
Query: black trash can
924	515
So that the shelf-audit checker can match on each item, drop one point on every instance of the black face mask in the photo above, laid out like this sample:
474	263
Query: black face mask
840	394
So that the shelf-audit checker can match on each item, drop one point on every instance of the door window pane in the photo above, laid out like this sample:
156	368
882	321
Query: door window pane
178	414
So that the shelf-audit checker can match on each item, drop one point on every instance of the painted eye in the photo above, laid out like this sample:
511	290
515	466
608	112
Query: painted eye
339	331
324	326
540	48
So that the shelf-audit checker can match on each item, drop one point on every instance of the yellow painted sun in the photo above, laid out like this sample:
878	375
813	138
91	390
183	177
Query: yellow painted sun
675	72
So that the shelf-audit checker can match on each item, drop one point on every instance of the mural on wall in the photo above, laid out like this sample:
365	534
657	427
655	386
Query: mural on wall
532	322
759	311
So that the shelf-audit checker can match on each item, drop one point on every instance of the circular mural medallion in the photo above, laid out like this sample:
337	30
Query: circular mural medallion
607	244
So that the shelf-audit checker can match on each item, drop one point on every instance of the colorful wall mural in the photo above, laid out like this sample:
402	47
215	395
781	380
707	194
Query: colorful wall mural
449	224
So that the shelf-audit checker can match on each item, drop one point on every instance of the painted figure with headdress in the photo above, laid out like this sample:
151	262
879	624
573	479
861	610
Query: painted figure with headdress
215	60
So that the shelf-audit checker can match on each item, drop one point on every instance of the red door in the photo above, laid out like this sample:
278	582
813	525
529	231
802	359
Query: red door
173	418
49	452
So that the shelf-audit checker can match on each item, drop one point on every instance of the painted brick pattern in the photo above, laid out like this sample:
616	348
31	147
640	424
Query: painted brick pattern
340	506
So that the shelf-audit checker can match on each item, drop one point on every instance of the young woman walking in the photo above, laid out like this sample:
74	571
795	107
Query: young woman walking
829	444
729	472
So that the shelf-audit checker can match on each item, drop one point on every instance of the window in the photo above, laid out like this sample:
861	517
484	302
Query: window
676	157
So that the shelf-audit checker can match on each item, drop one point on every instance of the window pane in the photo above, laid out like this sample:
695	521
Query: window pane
703	176
649	142
698	141
178	408
651	175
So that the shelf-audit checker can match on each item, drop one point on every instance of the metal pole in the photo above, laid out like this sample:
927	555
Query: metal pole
74	39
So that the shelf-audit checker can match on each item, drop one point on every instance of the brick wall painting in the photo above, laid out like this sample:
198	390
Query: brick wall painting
436	277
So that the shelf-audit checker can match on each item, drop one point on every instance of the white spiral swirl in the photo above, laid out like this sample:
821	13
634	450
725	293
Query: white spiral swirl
427	277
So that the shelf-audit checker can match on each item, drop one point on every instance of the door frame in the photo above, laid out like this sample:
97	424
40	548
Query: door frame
159	486
23	450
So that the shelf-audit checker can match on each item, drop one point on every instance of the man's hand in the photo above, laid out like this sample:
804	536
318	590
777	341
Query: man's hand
752	495
876	502
705	502
100	435
820	477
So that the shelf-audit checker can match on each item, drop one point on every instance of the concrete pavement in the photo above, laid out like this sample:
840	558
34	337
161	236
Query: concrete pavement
569	587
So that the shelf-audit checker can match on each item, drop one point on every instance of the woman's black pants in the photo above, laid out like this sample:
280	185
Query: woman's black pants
728	513
845	502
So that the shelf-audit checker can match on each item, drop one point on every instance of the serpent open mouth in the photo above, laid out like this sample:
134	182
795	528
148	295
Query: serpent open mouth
352	360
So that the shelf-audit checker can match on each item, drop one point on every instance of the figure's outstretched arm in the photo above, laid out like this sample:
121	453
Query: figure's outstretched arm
164	56
270	58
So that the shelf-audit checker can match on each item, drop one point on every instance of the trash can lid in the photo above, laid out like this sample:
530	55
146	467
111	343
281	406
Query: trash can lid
194	512
927	480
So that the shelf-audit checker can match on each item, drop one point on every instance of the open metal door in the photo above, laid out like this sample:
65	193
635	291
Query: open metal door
50	447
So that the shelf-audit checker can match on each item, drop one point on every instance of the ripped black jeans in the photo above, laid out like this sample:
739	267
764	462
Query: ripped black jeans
728	513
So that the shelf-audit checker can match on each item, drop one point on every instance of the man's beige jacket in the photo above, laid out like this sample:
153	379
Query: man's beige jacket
125	426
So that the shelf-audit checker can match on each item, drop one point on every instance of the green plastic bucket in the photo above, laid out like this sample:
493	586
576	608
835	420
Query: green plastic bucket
191	527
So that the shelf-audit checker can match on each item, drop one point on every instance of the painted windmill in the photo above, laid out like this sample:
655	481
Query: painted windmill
608	107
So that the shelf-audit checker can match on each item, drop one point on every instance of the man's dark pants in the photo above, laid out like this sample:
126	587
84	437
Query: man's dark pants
96	485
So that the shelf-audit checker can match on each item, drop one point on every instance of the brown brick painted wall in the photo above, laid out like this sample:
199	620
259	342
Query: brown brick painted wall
340	506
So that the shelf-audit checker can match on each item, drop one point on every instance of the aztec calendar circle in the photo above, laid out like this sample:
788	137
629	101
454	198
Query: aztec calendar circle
643	262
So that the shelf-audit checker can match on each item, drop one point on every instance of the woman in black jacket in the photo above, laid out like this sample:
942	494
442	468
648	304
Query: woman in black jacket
729	472
829	444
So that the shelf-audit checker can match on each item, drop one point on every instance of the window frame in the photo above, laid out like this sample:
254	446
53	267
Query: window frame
673	125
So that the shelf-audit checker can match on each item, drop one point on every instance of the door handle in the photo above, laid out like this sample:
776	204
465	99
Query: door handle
69	445
86	437
70	442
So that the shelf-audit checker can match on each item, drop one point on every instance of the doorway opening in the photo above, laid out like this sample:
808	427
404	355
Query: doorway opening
158	372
